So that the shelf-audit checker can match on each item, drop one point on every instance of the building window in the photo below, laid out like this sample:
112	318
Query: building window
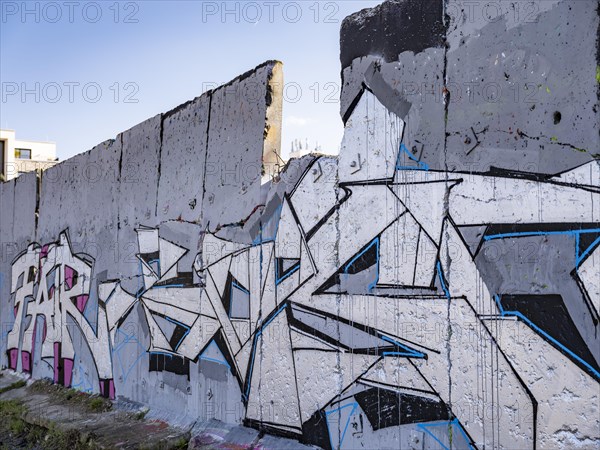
23	153
2	160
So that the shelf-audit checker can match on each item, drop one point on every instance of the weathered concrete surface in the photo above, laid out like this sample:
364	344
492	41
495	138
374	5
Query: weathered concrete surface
101	196
428	288
508	89
124	425
508	85
117	428
236	162
185	131
214	434
392	28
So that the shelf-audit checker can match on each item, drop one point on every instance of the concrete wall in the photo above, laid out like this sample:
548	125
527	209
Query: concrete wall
435	286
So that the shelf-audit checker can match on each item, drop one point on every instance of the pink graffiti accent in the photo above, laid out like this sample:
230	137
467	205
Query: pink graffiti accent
51	292
26	361
111	389
70	275
16	309
68	371
107	388
56	361
13	353
43	254
81	302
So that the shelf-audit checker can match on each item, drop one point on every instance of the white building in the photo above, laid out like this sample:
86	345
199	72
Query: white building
17	157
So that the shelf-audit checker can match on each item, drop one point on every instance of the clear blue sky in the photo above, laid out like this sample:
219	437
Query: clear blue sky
86	61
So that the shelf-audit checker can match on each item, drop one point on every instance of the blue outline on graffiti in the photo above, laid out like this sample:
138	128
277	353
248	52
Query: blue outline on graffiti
409	352
421	165
117	349
442	281
347	266
454	422
240	288
256	336
287	274
181	325
218	361
545	335
328	413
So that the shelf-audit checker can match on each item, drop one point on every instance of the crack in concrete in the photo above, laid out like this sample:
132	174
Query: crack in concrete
120	171
446	223
38	192
210	97
549	140
160	148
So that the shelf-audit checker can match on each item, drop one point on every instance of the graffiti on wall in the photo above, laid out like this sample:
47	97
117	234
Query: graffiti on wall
425	315
169	299
456	305
52	284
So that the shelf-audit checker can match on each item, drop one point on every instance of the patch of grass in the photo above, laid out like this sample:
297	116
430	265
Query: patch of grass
41	385
67	439
96	404
11	408
17	425
13	422
181	444
63	395
16	385
141	415
36	434
23	434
